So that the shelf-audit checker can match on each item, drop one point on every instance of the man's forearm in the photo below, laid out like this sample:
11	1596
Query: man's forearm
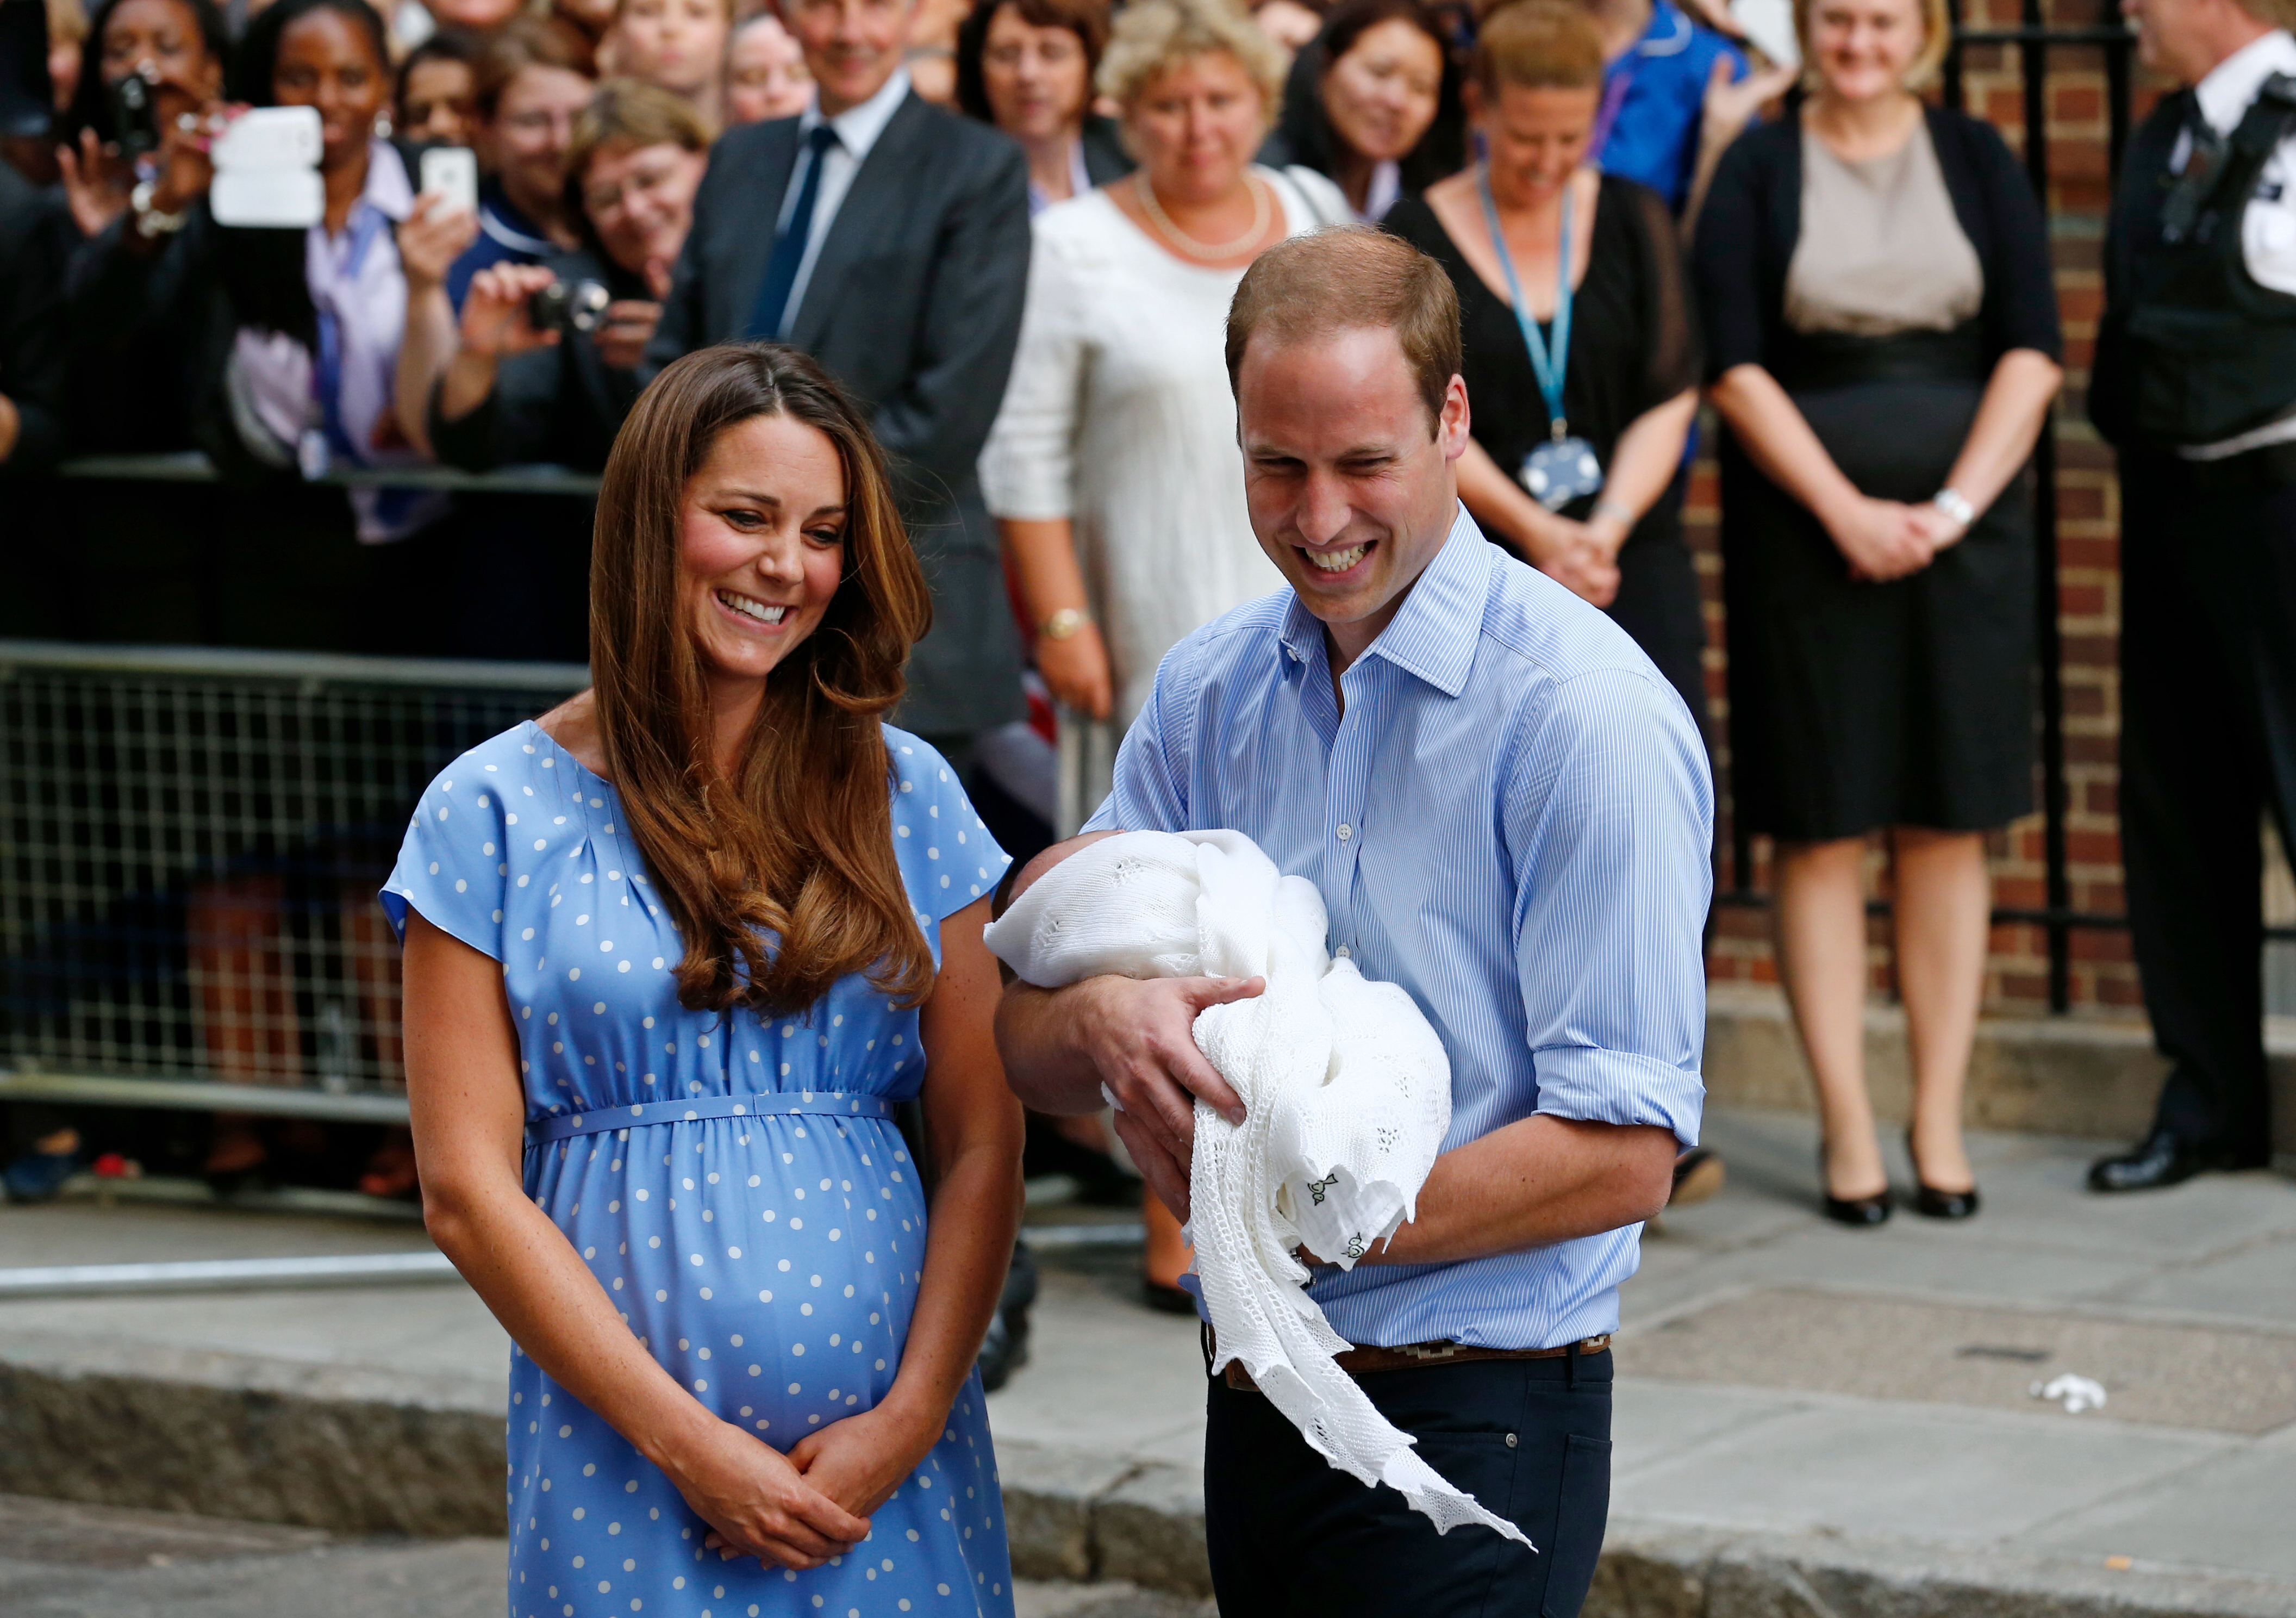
1047	1068
1532	1184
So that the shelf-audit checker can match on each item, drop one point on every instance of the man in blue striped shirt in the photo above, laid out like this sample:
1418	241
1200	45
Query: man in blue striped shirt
1508	811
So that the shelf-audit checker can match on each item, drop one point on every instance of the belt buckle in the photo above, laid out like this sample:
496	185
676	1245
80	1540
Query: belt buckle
1428	1351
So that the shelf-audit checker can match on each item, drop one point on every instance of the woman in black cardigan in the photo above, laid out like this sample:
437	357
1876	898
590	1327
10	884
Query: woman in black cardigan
1882	348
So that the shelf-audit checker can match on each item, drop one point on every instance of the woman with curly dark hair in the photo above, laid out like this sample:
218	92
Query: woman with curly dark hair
675	952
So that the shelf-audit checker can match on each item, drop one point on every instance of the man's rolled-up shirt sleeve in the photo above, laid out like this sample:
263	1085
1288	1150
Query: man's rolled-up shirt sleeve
1608	818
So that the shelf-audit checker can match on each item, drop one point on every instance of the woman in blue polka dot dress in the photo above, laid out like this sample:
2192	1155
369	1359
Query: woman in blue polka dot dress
672	956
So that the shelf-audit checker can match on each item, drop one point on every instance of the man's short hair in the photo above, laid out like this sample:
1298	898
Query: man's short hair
1538	44
1348	280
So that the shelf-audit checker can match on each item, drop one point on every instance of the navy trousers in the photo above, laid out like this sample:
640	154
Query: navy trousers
1292	1537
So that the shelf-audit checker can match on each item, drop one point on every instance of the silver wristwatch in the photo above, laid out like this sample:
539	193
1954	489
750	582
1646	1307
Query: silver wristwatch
149	220
1955	505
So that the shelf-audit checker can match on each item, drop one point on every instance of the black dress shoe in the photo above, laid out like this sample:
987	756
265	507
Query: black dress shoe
1932	1202
2166	1158
1944	1205
1862	1211
1865	1212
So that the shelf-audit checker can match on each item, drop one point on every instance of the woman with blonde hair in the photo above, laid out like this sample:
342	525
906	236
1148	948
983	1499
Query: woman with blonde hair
1114	470
1882	345
674	954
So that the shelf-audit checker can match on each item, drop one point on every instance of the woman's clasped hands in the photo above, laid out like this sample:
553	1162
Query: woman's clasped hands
1888	539
798	1510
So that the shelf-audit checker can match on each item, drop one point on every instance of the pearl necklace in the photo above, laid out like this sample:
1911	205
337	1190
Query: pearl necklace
1189	244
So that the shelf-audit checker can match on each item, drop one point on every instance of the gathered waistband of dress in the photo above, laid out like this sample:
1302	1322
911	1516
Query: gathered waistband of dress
758	1104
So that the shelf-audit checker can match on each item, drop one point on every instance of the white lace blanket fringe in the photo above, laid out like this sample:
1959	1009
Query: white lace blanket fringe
1346	1095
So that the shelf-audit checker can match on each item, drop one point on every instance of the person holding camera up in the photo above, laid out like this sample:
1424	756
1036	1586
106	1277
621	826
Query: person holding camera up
545	369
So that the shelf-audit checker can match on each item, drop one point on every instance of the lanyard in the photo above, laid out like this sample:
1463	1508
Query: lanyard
1614	96
1550	371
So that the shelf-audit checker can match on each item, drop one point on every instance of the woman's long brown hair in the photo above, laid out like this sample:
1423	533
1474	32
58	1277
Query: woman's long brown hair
781	877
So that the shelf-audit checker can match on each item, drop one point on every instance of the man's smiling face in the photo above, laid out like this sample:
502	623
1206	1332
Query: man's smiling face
1350	484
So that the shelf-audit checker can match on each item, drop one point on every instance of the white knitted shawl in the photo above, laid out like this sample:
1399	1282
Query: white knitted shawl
1347	1097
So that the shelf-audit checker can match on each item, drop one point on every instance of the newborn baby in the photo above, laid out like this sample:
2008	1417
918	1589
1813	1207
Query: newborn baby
1347	1097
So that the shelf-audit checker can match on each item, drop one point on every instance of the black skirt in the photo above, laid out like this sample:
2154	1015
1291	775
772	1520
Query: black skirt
1856	706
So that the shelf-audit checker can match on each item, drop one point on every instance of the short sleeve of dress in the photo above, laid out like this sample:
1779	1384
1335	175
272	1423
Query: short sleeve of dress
452	865
946	856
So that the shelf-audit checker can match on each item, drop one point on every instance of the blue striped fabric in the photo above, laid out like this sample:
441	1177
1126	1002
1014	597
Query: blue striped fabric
1512	820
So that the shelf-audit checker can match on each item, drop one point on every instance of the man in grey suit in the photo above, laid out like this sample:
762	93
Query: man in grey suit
890	240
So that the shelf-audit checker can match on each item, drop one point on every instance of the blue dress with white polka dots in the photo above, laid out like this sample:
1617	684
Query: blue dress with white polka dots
736	1184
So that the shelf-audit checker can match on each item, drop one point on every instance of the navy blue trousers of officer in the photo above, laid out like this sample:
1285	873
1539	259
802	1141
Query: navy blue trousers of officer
1292	1536
2208	744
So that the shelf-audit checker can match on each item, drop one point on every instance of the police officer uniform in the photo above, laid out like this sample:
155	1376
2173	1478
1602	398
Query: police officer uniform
2196	384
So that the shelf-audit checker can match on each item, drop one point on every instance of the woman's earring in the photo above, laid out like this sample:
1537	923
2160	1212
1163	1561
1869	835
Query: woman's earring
382	126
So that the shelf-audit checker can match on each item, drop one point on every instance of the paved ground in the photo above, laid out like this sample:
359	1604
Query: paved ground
1781	1380
66	1561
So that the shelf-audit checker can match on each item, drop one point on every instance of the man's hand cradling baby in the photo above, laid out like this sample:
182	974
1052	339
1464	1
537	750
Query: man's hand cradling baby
1139	1034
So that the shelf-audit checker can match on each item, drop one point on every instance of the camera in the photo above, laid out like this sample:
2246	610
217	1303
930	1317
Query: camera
563	305
135	116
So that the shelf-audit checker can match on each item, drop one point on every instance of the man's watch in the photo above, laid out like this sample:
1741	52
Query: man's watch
1064	624
149	220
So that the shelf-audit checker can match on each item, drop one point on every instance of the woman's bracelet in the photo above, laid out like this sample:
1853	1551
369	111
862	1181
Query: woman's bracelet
1955	505
1623	514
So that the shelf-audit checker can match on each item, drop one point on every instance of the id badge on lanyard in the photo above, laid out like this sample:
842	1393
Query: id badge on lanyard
1565	468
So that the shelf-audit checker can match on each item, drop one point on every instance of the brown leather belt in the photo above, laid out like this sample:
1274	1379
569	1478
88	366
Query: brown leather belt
1416	1356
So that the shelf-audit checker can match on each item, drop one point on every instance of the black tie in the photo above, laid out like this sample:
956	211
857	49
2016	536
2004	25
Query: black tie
772	313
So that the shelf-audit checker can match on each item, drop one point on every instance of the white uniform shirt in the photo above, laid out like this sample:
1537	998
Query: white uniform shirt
2267	228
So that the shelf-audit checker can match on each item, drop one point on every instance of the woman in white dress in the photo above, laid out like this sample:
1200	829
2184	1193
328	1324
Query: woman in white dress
1113	468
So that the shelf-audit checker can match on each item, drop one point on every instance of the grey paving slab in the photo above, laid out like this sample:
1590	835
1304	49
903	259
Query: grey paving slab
1945	1477
2236	1511
1653	1423
2257	1282
440	1329
85	1233
2229	1379
1103	1373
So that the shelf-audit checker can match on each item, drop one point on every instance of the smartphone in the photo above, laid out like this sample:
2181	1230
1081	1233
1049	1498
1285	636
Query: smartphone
269	137
267	170
1769	24
451	172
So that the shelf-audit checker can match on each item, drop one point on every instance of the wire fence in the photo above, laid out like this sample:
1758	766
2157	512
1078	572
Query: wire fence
191	842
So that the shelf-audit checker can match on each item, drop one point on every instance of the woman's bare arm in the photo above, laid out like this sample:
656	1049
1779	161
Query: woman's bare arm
469	1113
2009	420
972	1135
1042	553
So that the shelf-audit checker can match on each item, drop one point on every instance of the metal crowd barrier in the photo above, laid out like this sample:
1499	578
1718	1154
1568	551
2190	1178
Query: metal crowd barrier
190	846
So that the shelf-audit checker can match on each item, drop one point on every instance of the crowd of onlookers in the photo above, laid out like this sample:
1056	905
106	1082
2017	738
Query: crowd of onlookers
1012	229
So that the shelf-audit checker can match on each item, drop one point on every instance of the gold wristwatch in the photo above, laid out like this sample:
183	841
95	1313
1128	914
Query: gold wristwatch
1064	624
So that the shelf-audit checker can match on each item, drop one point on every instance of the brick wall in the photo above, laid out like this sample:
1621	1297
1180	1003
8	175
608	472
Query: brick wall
2088	595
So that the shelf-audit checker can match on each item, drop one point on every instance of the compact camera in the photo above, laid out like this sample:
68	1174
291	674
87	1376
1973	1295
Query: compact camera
135	116
562	306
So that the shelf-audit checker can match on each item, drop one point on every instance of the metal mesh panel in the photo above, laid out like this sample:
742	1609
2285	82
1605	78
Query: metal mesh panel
190	846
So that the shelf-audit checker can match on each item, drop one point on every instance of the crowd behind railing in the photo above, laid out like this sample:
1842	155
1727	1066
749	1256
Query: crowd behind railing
1011	229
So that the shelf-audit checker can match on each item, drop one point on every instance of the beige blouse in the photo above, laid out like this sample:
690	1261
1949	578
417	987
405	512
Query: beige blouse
1881	251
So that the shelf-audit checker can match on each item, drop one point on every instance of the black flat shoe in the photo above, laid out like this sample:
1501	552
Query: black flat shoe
1933	1203
1863	1211
2166	1158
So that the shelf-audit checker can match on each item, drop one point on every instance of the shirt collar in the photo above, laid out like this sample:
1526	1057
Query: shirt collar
1668	35
1434	633
859	126
2225	91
